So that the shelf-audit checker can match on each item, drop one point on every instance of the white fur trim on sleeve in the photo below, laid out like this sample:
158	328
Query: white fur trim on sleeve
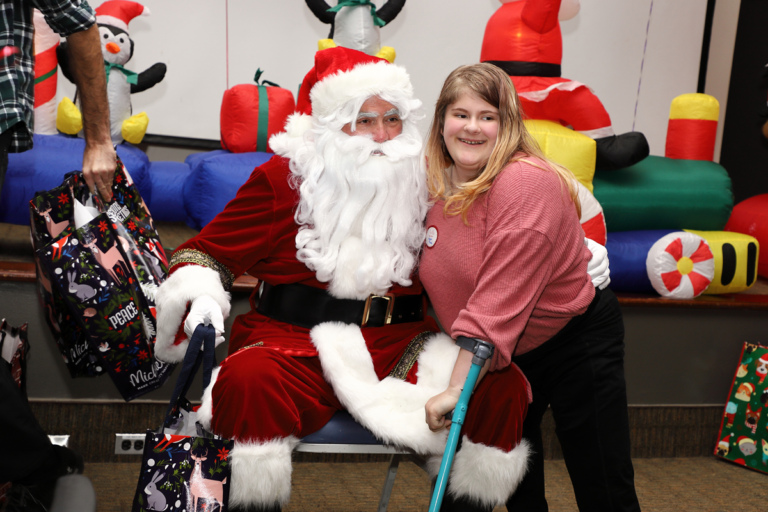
392	409
205	411
261	473
183	286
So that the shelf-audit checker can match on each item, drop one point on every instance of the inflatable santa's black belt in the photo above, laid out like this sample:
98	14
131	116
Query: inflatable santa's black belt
525	68
307	306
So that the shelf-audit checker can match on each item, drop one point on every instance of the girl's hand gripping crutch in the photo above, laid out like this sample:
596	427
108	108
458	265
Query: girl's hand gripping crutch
482	350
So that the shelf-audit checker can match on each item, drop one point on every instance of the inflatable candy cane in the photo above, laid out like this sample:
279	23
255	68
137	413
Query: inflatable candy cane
46	73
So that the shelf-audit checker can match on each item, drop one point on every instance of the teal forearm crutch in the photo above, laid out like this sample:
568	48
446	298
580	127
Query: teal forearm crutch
482	350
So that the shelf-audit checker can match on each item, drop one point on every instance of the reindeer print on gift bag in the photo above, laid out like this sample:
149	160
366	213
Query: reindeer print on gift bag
110	260
185	474
202	488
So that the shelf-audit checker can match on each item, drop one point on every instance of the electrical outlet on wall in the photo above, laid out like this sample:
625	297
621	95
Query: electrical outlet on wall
129	444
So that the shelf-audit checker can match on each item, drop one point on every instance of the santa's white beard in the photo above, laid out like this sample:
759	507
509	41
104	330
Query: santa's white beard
361	214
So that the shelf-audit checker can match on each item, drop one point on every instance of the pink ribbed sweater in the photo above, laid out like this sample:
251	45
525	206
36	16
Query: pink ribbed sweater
518	273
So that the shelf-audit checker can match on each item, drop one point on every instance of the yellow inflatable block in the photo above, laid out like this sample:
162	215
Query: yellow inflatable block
135	127
736	256
324	44
695	105
387	53
568	148
68	117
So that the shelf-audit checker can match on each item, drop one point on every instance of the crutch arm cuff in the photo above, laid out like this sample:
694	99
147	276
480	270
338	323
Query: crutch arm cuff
482	350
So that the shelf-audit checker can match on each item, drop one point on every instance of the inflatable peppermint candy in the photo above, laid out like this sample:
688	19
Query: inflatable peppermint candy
680	265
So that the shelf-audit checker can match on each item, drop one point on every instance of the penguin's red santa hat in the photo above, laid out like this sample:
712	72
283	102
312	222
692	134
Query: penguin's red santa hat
118	13
342	75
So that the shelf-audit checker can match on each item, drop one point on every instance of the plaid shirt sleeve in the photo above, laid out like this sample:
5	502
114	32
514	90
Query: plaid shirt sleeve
66	17
17	80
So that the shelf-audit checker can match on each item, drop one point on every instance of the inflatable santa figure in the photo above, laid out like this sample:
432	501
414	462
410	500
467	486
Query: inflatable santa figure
523	38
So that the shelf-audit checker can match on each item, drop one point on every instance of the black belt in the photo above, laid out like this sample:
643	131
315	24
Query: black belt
307	306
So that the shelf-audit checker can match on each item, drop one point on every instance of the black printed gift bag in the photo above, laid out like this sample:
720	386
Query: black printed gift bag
104	268
180	472
743	437
51	222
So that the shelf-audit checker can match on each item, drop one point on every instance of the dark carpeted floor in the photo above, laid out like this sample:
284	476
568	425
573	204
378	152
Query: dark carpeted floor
701	484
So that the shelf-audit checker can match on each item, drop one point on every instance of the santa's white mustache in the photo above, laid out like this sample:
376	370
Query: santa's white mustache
402	146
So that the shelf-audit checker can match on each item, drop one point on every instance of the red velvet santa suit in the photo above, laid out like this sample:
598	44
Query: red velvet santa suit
288	396
256	234
281	382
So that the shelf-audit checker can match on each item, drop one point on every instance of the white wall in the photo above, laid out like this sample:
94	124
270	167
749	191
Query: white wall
637	55
725	23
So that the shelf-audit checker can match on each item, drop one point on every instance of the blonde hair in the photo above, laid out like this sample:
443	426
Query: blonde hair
513	141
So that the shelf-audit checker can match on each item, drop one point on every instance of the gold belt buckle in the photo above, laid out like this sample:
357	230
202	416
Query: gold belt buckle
390	306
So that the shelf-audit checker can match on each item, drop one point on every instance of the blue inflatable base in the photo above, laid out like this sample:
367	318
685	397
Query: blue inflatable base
168	179
193	191
627	252
215	179
43	167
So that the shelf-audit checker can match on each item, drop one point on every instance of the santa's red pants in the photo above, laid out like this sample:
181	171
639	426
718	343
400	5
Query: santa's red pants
262	394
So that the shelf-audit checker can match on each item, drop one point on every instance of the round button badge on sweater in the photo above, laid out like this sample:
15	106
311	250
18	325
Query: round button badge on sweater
431	236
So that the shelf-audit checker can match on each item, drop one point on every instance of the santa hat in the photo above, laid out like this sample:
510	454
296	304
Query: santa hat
341	75
119	12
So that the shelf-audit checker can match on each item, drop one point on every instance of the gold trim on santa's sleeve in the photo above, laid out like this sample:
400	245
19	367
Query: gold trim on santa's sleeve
196	257
409	357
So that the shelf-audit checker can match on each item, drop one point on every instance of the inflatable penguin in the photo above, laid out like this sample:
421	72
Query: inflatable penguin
523	38
112	18
355	24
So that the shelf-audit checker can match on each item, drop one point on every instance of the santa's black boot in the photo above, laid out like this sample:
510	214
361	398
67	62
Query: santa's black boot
619	151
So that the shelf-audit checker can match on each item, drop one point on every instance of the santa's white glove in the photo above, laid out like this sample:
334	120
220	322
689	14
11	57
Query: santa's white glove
205	310
598	268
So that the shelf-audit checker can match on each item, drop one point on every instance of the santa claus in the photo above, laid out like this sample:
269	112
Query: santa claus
333	226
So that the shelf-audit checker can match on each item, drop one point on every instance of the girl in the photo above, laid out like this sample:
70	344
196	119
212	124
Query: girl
505	262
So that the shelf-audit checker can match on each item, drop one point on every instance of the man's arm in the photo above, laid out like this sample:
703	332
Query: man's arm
99	159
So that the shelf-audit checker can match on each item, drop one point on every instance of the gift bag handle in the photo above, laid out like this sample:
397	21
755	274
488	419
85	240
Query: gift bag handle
204	337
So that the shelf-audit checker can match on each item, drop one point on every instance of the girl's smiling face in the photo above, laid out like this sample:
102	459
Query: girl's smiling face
470	131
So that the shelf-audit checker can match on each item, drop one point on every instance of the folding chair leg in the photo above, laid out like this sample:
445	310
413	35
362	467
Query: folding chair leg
389	483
